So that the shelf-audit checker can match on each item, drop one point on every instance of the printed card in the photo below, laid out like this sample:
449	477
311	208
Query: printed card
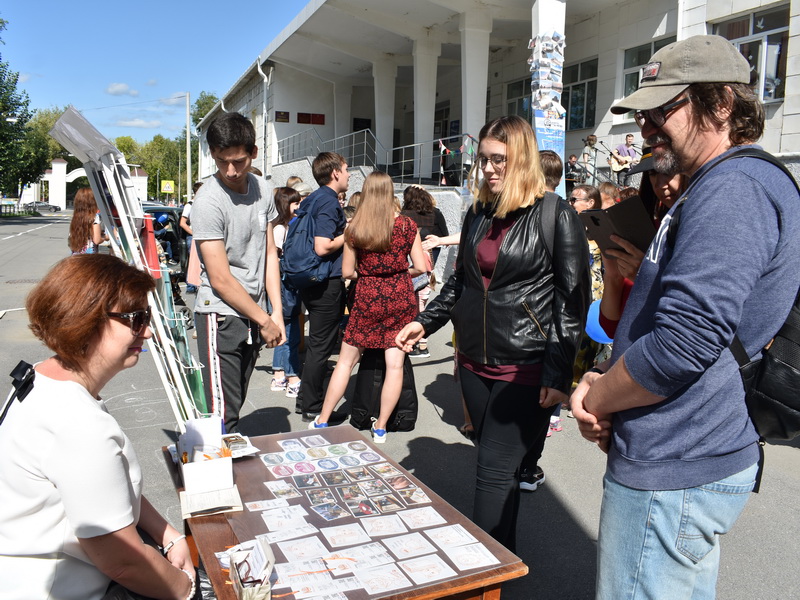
427	569
387	525
382	579
417	518
450	536
345	535
303	549
471	556
282	489
387	503
409	546
330	511
362	508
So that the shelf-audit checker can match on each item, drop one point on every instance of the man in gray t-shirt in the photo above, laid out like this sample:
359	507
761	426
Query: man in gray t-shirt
231	222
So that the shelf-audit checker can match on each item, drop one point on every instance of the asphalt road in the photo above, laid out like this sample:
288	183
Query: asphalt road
558	522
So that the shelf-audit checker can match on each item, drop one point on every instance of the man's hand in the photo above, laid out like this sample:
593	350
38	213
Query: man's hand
629	259
550	397
594	428
272	334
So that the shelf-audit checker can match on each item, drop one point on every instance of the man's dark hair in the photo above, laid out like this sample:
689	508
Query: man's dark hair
747	112
230	131
324	165
552	167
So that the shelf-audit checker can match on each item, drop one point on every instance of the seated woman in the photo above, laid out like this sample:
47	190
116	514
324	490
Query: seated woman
70	482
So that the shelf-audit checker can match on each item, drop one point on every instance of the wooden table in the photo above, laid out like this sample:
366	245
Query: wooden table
217	532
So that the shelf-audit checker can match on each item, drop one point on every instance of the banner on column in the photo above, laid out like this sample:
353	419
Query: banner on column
547	68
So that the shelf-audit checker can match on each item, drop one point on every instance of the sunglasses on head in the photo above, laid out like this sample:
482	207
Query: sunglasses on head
138	319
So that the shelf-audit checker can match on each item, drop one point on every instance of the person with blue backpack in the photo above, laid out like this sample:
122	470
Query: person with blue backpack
312	263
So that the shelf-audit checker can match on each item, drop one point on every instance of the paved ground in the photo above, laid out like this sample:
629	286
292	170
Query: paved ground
558	522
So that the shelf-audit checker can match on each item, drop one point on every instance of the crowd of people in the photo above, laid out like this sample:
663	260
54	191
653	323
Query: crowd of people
665	401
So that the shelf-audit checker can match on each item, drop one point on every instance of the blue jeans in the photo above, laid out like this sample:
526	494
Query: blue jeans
665	544
285	357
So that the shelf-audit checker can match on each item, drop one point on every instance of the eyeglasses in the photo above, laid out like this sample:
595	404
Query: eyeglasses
138	319
574	199
657	116
497	160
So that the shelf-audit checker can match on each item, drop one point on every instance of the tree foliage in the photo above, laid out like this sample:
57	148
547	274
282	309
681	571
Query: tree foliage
14	115
201	107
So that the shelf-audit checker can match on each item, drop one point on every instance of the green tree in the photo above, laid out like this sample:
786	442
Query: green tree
14	114
204	103
130	148
160	158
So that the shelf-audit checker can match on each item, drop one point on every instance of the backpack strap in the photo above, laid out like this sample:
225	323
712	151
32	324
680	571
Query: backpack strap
790	329
547	221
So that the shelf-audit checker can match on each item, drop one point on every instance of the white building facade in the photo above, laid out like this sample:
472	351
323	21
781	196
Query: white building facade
425	70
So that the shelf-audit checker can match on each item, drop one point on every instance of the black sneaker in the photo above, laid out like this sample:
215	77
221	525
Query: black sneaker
530	480
418	352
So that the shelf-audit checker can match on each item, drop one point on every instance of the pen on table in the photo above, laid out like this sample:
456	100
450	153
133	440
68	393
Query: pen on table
210	510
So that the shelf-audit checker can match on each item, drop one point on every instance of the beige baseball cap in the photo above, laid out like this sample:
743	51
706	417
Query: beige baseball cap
698	59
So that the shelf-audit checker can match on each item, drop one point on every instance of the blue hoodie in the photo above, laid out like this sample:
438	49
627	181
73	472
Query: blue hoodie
734	269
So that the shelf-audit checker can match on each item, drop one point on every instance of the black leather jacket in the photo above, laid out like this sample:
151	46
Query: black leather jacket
531	312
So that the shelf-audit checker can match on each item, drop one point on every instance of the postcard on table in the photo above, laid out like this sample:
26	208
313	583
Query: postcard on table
345	535
471	556
450	536
368	555
409	546
303	549
382	579
427	569
427	516
386	525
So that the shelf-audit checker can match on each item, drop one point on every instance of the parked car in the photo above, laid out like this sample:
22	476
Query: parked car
41	207
169	218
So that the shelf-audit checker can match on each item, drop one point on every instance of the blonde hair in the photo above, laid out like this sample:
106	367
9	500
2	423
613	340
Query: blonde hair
371	227
523	183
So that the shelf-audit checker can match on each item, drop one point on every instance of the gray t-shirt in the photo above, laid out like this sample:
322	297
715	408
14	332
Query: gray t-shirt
239	220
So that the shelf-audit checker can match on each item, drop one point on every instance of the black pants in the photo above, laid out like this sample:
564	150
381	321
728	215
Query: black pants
325	305
508	420
228	347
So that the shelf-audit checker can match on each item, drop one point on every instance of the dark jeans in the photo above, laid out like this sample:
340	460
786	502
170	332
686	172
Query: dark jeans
508	420
325	305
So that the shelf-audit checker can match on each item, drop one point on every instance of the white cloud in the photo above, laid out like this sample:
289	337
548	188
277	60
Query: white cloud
152	82
121	89
24	77
175	99
139	123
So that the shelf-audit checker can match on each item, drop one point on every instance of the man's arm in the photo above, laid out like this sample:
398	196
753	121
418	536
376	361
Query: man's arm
185	225
324	246
231	291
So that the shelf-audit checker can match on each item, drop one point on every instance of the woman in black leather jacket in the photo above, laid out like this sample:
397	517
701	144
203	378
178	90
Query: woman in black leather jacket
518	314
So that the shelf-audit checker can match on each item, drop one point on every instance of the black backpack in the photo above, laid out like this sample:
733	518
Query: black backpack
771	381
300	265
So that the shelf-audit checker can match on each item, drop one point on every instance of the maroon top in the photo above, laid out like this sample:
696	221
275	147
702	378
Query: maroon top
487	251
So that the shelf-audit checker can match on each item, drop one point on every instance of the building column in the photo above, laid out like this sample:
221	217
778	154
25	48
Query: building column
475	27
426	55
342	110
384	76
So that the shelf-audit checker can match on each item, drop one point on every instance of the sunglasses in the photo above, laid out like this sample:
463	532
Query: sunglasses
497	160
138	319
574	199
659	115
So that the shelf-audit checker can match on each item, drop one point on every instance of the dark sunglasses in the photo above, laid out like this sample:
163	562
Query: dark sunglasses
138	319
658	115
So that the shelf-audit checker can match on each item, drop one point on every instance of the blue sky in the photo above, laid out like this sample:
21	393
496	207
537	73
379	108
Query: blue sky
123	63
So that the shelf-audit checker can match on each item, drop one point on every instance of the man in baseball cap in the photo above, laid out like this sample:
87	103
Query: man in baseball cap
683	455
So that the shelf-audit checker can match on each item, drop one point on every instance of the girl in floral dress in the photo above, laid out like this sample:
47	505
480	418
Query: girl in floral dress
378	243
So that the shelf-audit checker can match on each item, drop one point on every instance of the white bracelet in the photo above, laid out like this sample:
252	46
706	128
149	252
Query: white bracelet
193	589
169	546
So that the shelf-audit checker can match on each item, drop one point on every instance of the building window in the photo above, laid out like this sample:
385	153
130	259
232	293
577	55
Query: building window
634	60
763	39
579	98
518	99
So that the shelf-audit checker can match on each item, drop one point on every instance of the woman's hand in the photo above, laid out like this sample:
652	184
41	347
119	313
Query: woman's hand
409	335
592	428
550	397
180	557
430	242
629	259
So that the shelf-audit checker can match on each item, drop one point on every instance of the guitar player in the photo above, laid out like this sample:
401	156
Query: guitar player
622	159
